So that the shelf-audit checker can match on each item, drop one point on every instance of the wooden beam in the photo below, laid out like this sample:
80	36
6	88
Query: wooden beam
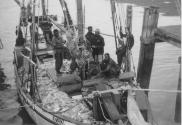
166	36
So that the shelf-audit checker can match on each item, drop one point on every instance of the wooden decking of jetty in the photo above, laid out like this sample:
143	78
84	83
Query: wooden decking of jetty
170	34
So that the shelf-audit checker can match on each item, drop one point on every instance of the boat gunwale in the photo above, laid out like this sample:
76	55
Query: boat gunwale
34	105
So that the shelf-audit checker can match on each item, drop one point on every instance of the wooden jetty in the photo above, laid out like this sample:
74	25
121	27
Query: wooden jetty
152	34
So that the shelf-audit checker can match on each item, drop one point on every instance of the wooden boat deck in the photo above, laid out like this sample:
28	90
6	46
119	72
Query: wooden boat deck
52	74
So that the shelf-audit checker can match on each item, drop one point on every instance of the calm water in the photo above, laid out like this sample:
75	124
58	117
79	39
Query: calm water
165	70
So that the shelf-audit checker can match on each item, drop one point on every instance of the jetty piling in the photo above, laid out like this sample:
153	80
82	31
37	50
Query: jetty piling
152	34
147	38
177	117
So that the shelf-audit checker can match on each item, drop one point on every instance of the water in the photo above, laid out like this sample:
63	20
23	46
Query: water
165	70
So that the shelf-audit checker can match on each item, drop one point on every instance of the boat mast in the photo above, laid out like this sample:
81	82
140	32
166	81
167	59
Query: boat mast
33	32
113	10
43	8
47	9
32	55
65	12
129	26
80	20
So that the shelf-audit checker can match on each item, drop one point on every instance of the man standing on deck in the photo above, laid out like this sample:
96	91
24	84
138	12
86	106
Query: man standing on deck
90	37
36	33
99	45
129	38
58	44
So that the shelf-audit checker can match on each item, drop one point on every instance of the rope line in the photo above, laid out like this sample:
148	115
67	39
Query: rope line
134	89
1	44
105	91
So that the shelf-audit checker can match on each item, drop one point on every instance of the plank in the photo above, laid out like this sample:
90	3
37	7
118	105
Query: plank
127	75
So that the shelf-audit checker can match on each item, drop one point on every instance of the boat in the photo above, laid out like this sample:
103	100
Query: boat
50	101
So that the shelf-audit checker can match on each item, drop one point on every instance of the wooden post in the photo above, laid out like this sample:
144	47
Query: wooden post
177	117
80	18
147	46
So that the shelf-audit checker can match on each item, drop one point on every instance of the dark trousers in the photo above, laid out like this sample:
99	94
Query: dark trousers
120	57
59	54
95	54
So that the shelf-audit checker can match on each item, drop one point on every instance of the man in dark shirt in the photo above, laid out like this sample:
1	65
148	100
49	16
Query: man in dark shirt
99	45
20	41
129	39
90	38
120	51
58	44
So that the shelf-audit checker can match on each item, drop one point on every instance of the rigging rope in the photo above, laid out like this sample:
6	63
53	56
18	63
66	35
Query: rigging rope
1	44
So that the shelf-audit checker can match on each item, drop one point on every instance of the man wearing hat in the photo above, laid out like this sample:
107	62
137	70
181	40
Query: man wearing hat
90	38
99	45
